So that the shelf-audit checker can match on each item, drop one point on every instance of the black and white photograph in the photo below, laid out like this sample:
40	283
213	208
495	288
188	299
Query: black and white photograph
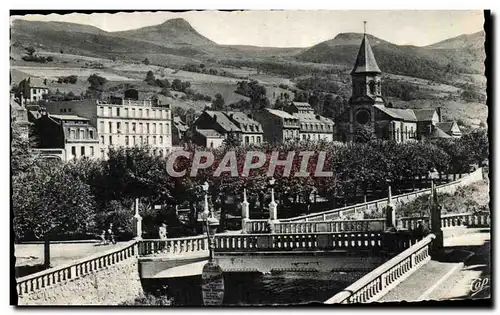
247	158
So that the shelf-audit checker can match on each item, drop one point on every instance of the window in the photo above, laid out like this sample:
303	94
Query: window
72	134
110	111
167	127
91	151
133	127
140	112
118	127
110	127
91	134
147	128
82	151
140	128
147	140
126	127
118	111
82	134
102	140
253	139
133	112
60	110
372	87
110	140
160	128
147	113
246	139
161	139
102	154
69	110
126	140
101	126
154	139
258	139
133	140
125	112
140	140
153	113
73	151
154	128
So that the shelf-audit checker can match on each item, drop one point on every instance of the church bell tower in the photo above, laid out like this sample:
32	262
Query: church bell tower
366	88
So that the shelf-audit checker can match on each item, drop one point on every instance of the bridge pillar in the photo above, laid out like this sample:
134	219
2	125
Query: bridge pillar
245	212
137	221
390	213
437	243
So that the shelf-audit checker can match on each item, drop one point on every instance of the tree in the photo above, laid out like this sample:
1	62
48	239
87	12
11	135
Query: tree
48	202
96	82
146	61
218	103
30	50
150	78
364	134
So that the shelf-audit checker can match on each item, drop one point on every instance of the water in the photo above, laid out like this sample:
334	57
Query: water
255	288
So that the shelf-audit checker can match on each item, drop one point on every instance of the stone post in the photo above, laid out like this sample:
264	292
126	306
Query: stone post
390	213
245	212
437	243
273	212
137	221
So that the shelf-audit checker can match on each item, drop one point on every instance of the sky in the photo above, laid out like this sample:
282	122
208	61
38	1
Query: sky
297	28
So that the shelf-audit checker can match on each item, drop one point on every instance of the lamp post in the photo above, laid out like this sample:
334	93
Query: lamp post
206	211
245	215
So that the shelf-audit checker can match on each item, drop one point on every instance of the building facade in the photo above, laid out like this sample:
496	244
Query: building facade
278	125
251	130
124	123
32	89
71	133
312	127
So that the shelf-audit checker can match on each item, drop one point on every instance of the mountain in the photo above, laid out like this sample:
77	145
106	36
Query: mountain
174	32
466	41
433	62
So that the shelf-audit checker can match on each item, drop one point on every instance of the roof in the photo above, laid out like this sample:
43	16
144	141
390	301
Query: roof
365	62
438	133
302	105
424	114
398	113
280	113
243	121
36	82
68	117
313	118
446	126
222	120
209	133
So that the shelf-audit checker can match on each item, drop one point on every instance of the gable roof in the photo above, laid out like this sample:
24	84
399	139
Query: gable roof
280	113
446	126
365	61
438	133
222	120
37	83
209	133
424	114
68	117
244	122
398	113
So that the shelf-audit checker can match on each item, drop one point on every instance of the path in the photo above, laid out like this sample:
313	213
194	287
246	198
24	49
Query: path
60	254
445	277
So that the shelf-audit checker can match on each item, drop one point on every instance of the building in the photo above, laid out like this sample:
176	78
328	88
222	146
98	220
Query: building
71	134
278	125
217	121
179	131
431	125
251	130
19	116
312	127
123	122
208	138
450	128
32	89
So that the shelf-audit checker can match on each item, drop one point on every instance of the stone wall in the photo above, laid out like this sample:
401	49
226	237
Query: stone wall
109	286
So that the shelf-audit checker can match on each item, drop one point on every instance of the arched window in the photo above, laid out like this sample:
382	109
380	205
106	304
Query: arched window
373	89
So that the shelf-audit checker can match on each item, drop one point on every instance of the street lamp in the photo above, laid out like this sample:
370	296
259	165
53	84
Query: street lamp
272	181
212	224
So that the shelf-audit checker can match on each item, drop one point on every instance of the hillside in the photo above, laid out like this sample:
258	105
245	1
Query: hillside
436	62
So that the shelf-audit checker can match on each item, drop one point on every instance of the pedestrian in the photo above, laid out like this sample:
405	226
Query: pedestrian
162	231
103	238
111	235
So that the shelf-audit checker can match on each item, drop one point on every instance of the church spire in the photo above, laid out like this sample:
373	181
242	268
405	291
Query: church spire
365	62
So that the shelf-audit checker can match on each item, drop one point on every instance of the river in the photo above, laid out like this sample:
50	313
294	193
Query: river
255	288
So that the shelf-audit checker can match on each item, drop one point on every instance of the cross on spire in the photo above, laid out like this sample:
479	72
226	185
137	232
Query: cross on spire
364	22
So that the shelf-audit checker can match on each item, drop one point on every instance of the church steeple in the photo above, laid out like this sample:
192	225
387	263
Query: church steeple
365	62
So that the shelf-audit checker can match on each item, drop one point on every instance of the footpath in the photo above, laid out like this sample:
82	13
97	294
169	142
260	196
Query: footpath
457	273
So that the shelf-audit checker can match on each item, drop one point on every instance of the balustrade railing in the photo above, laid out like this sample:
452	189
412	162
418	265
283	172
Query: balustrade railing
290	242
480	219
151	247
372	225
381	204
377	283
80	268
256	226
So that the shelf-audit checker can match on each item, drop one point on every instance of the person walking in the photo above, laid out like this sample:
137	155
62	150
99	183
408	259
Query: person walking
111	235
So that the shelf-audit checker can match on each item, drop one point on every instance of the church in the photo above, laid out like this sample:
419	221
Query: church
368	112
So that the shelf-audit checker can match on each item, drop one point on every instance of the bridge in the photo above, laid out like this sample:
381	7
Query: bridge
316	242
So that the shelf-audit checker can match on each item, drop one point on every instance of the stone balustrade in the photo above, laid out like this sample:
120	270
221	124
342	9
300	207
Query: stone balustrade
480	219
151	247
261	226
256	226
75	270
306	242
381	204
377	283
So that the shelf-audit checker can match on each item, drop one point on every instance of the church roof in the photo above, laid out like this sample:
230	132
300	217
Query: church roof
398	113
365	62
424	114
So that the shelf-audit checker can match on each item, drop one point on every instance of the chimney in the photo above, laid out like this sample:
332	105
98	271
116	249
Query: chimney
317	117
215	117
438	110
